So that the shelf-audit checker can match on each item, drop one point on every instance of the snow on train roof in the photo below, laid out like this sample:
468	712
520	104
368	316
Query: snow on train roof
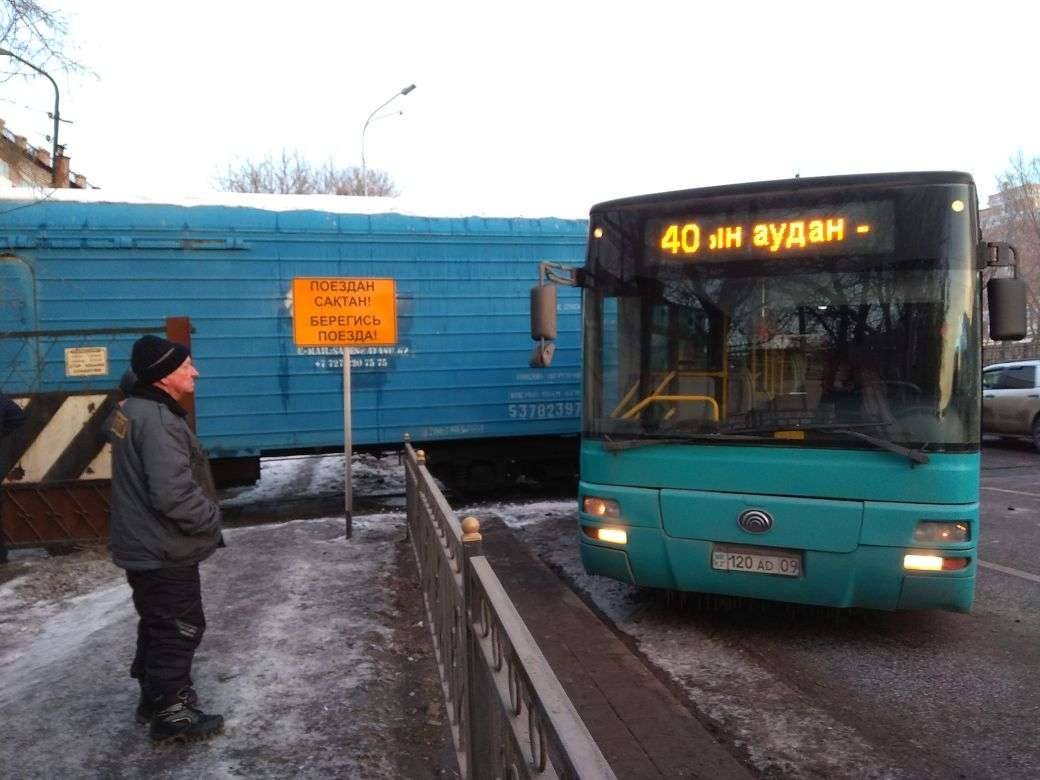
333	204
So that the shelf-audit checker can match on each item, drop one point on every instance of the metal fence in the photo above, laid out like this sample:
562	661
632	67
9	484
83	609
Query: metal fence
509	715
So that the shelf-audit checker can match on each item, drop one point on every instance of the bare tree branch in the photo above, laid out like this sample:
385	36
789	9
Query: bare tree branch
290	174
35	34
1015	218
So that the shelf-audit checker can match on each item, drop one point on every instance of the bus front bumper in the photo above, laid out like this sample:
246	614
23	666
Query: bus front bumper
869	576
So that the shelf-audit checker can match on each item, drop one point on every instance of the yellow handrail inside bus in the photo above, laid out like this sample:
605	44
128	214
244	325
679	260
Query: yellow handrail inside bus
664	398
668	378
625	399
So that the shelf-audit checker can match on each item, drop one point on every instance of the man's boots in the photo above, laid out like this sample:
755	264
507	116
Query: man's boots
181	722
150	706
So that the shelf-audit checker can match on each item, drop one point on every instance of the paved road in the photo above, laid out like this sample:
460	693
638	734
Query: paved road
804	692
1011	509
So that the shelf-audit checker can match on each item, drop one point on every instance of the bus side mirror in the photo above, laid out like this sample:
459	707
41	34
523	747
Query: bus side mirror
543	312
543	324
542	355
1007	309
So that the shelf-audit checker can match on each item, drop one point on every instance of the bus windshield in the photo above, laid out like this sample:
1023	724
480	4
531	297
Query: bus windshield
819	348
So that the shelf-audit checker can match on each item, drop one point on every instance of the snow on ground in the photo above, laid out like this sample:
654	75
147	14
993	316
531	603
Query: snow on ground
779	728
303	653
315	652
293	477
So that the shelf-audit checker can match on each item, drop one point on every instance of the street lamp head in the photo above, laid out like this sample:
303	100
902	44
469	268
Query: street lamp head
56	116
364	170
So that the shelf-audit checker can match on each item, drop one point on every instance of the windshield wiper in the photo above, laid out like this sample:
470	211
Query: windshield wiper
615	445
916	456
845	429
809	427
748	434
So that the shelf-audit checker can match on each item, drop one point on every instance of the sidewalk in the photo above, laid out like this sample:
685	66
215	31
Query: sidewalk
316	653
642	728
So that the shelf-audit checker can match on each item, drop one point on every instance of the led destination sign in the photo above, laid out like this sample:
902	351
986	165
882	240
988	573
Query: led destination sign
851	228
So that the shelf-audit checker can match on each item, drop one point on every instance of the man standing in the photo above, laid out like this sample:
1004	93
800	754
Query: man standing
165	520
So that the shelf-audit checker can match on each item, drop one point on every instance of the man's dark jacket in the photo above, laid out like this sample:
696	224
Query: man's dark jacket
164	504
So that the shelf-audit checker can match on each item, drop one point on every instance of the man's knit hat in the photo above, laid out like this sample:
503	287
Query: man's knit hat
154	358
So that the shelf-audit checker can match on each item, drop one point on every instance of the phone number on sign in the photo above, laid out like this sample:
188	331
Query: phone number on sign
545	411
354	363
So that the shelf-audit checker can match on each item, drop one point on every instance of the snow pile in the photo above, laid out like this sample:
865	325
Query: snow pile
275	202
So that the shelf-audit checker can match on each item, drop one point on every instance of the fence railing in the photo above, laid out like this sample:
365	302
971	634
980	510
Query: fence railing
509	715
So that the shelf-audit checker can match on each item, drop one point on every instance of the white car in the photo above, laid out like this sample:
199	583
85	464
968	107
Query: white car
1011	399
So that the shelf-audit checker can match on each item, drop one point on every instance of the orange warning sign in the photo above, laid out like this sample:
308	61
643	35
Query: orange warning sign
344	312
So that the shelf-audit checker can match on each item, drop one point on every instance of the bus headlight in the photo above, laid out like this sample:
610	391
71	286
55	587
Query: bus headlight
920	562
600	507
612	535
931	532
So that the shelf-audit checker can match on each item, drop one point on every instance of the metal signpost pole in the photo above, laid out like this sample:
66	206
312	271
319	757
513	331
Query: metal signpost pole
360	311
348	492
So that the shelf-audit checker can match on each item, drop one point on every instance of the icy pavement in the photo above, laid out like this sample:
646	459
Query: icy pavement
779	729
315	652
294	477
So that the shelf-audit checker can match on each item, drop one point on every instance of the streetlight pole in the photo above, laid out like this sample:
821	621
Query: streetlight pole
57	116
364	169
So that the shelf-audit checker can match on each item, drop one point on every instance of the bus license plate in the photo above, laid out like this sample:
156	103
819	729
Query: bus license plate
757	561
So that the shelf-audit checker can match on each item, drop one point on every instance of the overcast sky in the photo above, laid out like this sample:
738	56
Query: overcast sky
542	106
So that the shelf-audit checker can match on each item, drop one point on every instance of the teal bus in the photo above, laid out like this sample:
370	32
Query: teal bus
781	386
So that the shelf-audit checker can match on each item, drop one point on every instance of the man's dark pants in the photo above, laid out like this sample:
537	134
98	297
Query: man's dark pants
169	603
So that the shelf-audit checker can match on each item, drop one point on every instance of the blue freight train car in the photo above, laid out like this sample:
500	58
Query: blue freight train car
83	274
